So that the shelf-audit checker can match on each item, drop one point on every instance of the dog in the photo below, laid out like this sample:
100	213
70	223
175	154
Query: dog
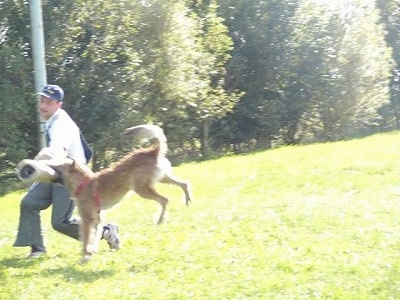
139	171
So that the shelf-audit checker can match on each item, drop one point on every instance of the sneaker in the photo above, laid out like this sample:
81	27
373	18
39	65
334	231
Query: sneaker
110	234
36	252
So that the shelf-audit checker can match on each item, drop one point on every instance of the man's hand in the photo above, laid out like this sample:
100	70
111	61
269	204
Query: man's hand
45	154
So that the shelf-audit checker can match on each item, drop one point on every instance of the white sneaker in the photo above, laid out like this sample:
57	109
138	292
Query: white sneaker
110	234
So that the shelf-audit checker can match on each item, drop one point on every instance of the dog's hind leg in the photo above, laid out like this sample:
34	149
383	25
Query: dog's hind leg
148	192
183	185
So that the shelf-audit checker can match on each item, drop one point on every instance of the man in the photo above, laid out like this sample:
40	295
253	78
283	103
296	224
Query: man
63	140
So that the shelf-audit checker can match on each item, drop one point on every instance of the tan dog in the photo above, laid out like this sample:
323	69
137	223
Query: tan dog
137	171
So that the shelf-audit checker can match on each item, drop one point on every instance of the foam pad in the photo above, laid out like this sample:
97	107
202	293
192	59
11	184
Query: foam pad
29	170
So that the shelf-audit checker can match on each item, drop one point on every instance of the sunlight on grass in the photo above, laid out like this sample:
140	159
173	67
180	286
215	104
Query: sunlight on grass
310	222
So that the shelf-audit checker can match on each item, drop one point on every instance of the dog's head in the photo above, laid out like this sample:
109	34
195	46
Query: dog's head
70	171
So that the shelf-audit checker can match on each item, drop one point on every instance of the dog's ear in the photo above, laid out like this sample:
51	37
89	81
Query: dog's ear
70	162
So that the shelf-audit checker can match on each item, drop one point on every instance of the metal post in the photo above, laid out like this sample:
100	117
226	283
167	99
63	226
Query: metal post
39	62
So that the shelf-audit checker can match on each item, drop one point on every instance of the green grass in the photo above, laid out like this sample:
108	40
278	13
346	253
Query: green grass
305	222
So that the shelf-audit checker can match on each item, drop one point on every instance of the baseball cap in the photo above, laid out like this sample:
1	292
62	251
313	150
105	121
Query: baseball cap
52	91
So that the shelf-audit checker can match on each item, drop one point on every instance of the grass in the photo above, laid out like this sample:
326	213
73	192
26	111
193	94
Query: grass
303	222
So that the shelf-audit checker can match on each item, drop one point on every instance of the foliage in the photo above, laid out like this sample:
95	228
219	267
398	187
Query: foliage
311	70
354	80
390	18
17	102
260	32
218	76
298	222
128	62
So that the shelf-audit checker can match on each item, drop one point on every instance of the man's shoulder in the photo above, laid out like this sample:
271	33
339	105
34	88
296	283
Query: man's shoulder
64	119
62	113
64	116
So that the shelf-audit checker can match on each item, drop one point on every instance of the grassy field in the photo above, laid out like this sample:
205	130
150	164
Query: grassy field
308	222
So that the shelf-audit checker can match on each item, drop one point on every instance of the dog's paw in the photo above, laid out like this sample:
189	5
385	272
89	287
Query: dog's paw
85	259
160	219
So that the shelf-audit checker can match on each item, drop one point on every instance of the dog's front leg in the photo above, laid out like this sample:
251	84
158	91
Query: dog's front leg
94	232
98	234
85	230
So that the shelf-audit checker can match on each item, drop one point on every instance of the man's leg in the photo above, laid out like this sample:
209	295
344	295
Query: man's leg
36	199
63	208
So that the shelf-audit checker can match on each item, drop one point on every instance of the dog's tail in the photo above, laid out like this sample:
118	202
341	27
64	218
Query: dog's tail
152	132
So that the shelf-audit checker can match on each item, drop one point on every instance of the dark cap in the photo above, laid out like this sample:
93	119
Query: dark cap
53	92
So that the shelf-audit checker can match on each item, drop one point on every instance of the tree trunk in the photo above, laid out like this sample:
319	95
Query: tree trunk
205	149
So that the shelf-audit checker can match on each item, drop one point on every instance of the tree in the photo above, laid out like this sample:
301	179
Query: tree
216	99
184	85
390	15
258	66
17	103
351	64
311	71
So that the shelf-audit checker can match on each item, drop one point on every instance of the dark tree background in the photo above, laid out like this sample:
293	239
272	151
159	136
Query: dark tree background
219	76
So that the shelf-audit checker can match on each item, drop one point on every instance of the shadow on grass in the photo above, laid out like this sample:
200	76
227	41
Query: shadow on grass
69	272
80	273
17	262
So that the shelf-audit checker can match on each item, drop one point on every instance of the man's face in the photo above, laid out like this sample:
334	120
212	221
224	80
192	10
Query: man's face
47	107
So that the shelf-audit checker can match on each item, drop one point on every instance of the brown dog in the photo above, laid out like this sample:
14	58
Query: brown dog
137	171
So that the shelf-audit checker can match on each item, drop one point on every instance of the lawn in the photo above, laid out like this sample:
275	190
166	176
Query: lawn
302	222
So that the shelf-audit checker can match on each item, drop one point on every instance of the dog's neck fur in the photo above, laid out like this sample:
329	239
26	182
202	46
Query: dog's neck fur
83	184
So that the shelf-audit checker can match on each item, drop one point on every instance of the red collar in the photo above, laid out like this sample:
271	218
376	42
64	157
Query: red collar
82	185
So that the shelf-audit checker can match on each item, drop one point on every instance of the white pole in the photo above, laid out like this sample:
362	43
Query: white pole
39	62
